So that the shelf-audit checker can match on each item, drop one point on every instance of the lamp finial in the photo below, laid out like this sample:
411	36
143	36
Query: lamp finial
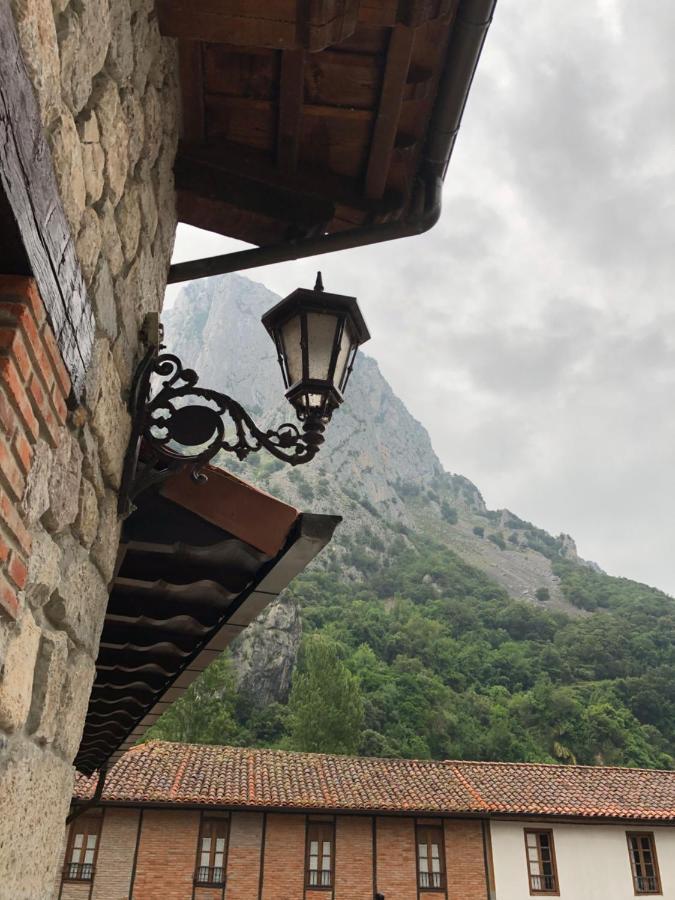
319	282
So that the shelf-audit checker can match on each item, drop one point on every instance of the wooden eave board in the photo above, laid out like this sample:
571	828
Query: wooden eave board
357	111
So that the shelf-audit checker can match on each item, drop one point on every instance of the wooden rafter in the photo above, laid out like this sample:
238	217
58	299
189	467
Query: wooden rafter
291	91
389	111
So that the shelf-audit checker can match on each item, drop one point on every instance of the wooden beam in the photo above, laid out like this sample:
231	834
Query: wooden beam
238	160
310	25
291	95
29	184
191	66
388	114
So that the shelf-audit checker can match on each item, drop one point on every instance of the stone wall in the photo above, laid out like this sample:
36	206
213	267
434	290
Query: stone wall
106	84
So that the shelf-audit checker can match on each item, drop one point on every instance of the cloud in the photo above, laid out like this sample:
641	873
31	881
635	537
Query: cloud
532	331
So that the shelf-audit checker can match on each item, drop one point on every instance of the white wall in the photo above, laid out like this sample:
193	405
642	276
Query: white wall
592	860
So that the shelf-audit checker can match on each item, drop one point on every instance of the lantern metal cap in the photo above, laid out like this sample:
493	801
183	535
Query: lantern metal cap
320	300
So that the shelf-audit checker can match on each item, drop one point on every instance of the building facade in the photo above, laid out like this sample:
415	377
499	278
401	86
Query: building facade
198	823
285	143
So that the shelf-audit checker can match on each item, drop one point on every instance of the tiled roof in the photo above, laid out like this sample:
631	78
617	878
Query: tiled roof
196	775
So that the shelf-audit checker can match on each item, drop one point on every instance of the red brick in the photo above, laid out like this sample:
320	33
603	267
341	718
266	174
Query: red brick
4	550
10	376
24	288
396	858
55	356
35	342
284	869
354	861
8	418
9	602
243	855
13	523
13	345
17	570
165	864
23	452
11	471
45	413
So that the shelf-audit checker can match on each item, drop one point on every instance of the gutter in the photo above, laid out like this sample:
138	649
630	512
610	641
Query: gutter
469	31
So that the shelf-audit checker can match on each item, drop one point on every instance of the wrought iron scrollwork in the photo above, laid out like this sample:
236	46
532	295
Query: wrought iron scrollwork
192	424
182	423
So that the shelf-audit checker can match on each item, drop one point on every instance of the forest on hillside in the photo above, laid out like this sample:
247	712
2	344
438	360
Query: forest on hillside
427	658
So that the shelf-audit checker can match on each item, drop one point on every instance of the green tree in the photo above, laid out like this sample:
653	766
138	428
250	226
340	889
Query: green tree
326	708
205	714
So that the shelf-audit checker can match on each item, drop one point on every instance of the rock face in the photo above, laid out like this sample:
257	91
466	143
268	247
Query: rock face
265	656
377	469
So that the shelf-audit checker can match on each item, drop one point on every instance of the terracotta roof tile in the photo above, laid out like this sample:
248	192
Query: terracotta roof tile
197	775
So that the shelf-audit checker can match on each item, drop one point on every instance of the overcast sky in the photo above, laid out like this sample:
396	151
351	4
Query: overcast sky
532	331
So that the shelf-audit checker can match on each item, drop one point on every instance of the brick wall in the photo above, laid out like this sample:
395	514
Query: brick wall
243	859
396	863
284	865
166	855
464	860
115	860
168	846
354	857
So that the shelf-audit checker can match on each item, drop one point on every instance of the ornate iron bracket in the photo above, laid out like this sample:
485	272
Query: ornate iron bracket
182	424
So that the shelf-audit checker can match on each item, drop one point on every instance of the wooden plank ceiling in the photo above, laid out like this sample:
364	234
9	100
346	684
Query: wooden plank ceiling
305	118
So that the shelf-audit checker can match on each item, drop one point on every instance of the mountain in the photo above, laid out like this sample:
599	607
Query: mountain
517	647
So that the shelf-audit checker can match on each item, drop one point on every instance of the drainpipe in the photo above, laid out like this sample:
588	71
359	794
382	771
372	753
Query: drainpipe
469	30
79	810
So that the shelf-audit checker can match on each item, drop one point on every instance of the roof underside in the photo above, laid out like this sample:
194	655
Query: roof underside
306	119
184	588
233	777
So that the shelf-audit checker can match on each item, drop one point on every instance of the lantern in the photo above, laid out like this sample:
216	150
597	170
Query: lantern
317	336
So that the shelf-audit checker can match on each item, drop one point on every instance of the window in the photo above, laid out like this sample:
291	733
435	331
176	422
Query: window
320	854
643	862
211	851
81	849
430	863
541	862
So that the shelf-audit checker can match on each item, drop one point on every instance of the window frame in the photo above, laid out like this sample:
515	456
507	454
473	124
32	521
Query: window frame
214	824
319	825
440	830
541	892
86	826
655	863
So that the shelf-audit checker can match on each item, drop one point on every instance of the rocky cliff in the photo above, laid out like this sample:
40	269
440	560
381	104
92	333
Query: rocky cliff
377	469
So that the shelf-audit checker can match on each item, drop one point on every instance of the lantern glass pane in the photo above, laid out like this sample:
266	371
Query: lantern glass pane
291	338
320	339
346	343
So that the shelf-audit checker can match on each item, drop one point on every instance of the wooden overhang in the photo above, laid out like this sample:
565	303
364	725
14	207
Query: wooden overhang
305	120
197	563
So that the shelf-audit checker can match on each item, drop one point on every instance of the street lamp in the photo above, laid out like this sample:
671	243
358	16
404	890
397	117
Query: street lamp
317	336
177	423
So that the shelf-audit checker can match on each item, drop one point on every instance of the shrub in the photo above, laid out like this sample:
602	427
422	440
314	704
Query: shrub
542	594
449	513
498	539
479	530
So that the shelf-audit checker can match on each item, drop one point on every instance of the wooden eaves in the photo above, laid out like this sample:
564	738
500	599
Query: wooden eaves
197	563
303	149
